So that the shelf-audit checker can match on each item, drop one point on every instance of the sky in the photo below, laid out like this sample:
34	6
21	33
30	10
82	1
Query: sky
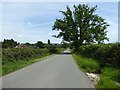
33	21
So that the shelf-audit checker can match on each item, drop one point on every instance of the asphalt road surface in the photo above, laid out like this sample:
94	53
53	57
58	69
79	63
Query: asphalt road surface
58	71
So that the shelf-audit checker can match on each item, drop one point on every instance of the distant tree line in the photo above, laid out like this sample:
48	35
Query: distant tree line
10	43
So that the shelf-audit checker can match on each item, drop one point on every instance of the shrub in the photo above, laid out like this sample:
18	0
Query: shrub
107	54
15	54
53	50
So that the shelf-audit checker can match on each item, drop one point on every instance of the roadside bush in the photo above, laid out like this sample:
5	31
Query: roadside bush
15	54
107	54
53	50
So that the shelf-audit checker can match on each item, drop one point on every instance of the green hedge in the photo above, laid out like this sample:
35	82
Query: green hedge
106	54
15	54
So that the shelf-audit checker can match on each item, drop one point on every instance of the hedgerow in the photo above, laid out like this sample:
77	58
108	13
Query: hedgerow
15	54
106	54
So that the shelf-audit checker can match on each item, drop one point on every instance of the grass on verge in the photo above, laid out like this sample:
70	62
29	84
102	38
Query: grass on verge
13	66
86	64
109	76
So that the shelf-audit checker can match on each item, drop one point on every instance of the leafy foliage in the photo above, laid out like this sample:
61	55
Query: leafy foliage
39	44
16	58
81	26
49	41
15	54
107	55
9	43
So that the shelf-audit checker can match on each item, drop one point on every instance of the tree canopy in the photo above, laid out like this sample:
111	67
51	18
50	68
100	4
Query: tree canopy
9	43
39	44
81	26
49	41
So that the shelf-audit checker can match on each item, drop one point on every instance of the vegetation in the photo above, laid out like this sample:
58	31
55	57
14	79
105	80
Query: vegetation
49	41
111	73
107	55
87	64
40	44
16	54
0	61
9	43
16	58
109	78
86	31
106	82
99	59
81	26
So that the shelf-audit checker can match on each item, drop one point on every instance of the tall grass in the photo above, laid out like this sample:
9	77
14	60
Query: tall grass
112	73
106	82
87	64
108	78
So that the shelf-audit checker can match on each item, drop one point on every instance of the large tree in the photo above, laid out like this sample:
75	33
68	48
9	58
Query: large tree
9	43
81	26
49	41
39	44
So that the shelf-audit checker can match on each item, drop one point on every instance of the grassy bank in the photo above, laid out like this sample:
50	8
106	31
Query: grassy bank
13	66
108	76
102	59
14	59
86	64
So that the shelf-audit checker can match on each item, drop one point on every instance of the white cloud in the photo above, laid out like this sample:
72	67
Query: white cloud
29	23
20	35
50	34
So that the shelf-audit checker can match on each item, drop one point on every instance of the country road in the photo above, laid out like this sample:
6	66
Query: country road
57	71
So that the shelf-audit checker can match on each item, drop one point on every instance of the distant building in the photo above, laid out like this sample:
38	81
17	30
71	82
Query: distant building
21	46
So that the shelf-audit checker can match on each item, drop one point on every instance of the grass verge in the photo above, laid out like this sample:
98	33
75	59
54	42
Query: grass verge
13	66
86	64
109	76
